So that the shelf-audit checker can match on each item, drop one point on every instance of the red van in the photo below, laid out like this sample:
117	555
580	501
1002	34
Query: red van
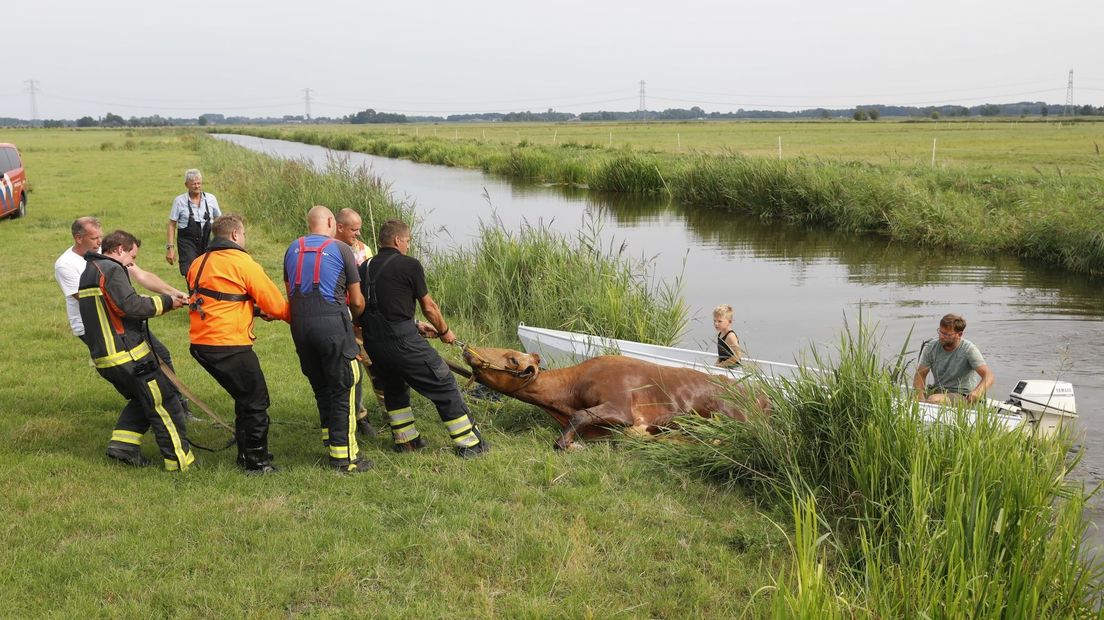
13	190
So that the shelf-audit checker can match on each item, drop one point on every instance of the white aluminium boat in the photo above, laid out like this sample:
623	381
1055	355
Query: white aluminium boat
1043	405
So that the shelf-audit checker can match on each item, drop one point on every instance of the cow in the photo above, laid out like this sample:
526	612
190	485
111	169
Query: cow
591	398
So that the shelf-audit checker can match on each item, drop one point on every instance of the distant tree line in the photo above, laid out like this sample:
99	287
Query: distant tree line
860	113
371	116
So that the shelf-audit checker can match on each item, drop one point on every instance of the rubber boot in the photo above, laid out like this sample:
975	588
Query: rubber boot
478	449
410	446
364	425
127	454
345	466
258	462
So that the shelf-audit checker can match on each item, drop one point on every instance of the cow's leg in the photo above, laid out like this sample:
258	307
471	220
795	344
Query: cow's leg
604	414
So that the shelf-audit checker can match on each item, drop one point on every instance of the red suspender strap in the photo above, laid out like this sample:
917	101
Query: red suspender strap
318	261
303	249
299	262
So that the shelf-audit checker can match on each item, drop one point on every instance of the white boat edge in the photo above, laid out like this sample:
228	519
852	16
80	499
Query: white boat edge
559	347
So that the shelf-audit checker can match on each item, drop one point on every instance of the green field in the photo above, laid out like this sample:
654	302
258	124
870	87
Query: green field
1037	147
524	532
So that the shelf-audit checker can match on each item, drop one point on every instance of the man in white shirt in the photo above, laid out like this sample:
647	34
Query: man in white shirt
87	233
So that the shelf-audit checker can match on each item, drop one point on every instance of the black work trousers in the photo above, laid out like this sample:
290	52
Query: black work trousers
238	371
403	359
163	354
327	356
152	402
188	248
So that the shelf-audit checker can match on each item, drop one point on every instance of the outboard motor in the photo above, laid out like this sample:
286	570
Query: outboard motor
1048	404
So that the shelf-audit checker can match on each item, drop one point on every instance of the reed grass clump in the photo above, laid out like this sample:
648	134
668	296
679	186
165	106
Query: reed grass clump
277	193
896	517
630	173
539	277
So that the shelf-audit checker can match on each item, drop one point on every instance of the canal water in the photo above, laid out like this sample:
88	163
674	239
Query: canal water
791	288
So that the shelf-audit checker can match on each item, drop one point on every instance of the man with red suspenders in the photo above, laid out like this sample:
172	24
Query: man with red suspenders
319	271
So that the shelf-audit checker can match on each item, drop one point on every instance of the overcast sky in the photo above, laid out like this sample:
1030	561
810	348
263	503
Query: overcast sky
138	58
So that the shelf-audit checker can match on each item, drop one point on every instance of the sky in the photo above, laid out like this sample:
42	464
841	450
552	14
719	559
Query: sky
431	57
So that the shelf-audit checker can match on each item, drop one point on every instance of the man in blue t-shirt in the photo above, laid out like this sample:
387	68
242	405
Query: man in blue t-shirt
319	271
958	369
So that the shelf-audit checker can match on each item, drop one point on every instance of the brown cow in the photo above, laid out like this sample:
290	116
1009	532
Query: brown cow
608	391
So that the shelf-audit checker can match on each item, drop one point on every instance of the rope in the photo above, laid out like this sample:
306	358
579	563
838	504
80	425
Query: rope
481	363
175	380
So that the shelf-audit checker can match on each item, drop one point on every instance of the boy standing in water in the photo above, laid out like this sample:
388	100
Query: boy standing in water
728	345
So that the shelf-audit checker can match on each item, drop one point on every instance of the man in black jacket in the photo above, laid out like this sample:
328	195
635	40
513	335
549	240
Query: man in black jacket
115	318
391	283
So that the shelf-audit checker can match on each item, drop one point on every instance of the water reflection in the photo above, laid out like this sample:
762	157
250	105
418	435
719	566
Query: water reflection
868	259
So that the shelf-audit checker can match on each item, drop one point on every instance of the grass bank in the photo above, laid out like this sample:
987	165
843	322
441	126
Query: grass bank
524	532
895	518
1044	213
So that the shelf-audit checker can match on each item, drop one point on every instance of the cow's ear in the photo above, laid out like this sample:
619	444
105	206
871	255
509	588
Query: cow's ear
536	359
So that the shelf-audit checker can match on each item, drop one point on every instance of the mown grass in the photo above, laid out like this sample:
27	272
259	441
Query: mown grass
897	518
1011	203
524	532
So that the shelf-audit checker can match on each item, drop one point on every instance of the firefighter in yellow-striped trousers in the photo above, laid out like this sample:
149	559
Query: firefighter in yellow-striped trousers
114	315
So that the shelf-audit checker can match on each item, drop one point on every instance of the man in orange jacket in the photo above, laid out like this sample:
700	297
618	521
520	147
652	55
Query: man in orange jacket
228	288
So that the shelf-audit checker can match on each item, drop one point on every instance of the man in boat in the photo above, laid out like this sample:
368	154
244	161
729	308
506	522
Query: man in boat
402	359
957	367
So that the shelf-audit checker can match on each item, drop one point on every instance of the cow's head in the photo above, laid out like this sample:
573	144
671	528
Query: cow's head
502	370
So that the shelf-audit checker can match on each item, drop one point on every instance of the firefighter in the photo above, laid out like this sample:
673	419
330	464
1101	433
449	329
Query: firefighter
402	359
227	289
87	233
118	341
189	228
318	272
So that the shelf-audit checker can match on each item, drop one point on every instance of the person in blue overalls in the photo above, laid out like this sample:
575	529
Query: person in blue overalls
318	272
190	219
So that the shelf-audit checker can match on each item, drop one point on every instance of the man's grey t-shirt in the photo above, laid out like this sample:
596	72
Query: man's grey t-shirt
954	371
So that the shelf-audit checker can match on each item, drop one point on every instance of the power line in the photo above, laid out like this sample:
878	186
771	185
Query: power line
32	86
1069	96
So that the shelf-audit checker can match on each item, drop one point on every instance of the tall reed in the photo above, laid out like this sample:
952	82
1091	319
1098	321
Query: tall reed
539	277
278	192
949	520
